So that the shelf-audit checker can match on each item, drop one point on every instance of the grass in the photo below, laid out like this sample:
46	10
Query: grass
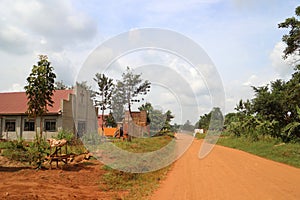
141	145
136	185
270	148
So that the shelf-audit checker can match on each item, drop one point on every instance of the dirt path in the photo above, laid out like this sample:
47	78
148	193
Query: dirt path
228	174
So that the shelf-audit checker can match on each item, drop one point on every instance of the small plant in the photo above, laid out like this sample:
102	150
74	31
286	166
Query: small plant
65	134
37	151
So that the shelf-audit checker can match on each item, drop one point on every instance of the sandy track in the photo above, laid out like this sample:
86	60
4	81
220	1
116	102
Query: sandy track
228	174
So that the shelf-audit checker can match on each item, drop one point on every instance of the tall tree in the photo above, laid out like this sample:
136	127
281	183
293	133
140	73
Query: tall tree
187	126
118	102
212	120
168	118
293	38
105	91
39	90
132	87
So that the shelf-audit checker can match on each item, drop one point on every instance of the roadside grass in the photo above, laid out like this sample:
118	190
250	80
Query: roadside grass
270	148
200	136
141	145
135	185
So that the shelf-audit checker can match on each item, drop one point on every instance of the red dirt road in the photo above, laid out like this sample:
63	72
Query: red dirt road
228	174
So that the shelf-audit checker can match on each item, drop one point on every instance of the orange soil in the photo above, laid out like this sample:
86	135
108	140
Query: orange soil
228	174
79	181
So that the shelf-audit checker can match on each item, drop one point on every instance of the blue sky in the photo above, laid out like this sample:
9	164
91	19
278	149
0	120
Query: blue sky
240	36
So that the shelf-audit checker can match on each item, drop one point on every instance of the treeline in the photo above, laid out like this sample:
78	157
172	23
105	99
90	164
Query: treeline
274	110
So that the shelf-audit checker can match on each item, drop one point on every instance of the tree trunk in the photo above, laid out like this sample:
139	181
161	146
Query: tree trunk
102	125
41	127
130	115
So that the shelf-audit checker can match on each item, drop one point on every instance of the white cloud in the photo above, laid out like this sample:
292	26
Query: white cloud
55	28
13	39
16	87
282	67
55	24
252	80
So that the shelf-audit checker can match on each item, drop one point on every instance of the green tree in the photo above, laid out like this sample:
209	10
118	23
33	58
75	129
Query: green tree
104	95
39	90
168	118
59	85
229	118
204	121
148	108
217	119
187	126
293	38
132	86
118	102
157	121
110	120
212	120
129	89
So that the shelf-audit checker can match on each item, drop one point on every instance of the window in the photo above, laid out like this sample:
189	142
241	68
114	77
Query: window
50	125
29	125
81	128
10	125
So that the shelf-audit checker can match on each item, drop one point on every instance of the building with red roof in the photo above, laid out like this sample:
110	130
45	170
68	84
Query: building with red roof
69	112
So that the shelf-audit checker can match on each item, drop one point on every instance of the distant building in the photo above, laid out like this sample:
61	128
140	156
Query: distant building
136	124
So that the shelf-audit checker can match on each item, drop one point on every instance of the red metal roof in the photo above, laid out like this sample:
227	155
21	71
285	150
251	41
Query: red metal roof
16	102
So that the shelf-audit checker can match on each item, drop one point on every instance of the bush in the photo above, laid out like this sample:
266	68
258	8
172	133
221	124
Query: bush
65	134
37	152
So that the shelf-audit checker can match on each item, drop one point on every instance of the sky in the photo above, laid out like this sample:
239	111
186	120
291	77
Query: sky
240	37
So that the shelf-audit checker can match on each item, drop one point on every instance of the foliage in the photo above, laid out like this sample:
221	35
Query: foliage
148	108
200	136
40	88
64	134
37	152
59	85
187	126
104	93
131	86
15	150
160	123
213	120
110	121
292	39
118	102
274	110
32	152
